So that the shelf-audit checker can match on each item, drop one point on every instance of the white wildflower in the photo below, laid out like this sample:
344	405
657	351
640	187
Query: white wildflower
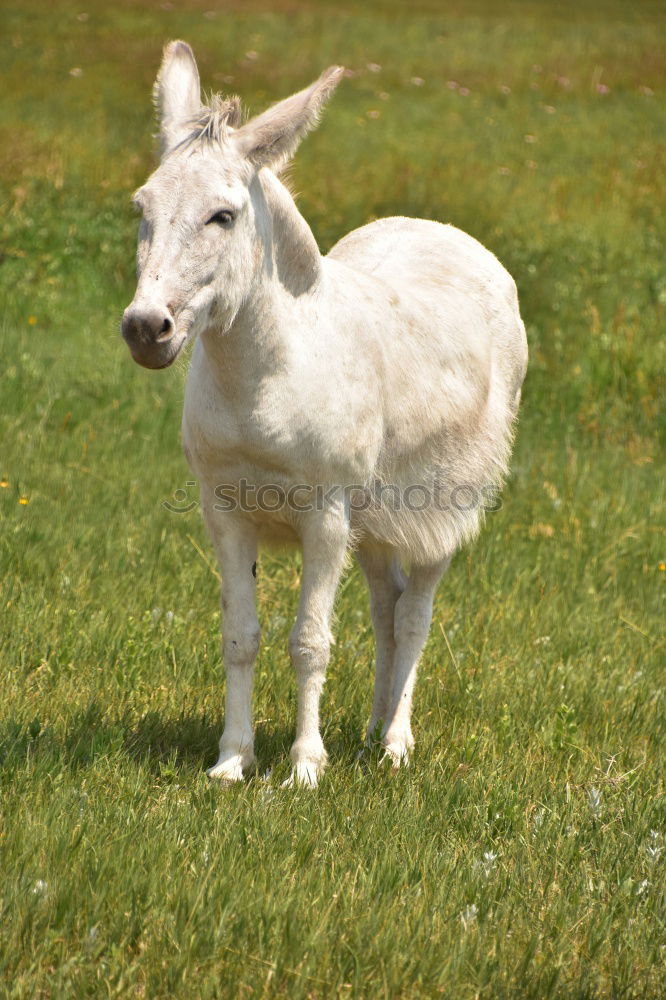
594	801
654	848
489	862
537	819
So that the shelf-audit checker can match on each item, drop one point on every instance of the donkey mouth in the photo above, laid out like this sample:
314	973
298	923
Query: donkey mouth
158	355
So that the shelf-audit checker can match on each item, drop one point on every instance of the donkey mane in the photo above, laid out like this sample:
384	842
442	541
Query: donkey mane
213	125
214	122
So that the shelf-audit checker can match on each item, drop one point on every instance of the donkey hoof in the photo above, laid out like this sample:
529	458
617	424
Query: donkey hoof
305	774
228	769
396	755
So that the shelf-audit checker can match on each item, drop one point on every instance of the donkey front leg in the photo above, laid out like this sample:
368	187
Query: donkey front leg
236	546
324	538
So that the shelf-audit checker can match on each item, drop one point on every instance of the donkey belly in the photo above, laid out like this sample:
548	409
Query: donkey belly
454	360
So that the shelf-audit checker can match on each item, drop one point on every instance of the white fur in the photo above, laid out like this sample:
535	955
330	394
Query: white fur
397	359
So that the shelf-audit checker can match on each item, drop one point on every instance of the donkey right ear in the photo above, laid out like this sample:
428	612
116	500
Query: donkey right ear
177	94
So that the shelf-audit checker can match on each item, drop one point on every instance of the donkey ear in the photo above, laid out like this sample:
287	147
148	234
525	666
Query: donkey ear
177	93
271	138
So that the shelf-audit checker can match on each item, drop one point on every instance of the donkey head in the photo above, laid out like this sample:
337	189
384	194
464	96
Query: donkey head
203	231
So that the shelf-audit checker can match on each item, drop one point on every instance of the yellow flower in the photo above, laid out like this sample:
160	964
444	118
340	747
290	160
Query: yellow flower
24	501
32	320
3	484
541	530
662	566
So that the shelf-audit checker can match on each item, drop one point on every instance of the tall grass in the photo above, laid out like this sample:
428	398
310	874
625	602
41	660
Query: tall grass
522	855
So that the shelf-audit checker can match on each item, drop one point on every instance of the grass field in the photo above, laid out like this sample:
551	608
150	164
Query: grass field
523	854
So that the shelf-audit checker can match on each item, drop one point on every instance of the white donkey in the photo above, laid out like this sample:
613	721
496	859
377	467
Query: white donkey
360	400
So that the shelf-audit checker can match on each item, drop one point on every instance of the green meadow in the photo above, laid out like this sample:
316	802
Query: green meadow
523	854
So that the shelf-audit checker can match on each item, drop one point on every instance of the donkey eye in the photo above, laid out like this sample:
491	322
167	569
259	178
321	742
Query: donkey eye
223	218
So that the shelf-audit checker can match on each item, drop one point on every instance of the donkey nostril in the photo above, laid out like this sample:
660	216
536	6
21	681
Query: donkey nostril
152	326
165	330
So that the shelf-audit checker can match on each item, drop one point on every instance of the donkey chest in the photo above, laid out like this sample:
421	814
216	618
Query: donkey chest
280	434
220	438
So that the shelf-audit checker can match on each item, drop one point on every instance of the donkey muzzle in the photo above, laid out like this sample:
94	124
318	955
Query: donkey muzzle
149	334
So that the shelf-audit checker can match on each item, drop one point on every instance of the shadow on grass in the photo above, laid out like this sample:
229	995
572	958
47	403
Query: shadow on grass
186	743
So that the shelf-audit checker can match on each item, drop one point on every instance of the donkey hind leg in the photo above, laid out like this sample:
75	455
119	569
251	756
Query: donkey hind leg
386	582
236	547
413	614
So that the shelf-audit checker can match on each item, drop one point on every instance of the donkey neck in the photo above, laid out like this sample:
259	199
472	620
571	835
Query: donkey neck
291	249
258	343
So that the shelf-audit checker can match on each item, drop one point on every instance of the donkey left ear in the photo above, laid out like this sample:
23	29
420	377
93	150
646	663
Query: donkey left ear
271	138
177	93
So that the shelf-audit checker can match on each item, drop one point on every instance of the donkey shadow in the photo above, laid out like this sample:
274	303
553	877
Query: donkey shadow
175	745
